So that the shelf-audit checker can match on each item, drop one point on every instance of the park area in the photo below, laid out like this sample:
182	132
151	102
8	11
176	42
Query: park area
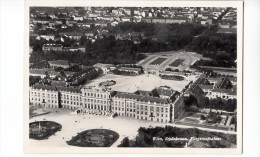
43	129
94	138
206	120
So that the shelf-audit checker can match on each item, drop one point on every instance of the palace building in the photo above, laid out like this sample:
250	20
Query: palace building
45	96
97	98
141	107
138	106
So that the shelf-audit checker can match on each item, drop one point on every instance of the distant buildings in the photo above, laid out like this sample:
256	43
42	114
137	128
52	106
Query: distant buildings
37	72
106	68
59	47
78	18
52	47
50	73
165	20
59	63
73	49
220	87
72	35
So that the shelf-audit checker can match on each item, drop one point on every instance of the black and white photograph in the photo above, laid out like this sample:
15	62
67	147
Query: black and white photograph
122	77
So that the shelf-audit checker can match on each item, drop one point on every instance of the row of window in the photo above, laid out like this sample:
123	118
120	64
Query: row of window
95	107
74	97
96	101
145	107
143	117
43	94
223	96
139	112
71	103
43	100
96	95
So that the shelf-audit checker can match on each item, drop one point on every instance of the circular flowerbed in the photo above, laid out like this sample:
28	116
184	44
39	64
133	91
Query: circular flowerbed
43	129
107	83
94	138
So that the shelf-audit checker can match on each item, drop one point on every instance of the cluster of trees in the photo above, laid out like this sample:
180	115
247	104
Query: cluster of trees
222	48
33	80
173	77
106	50
213	117
201	101
127	73
174	70
157	38
216	63
112	51
74	68
84	76
158	29
145	137
40	65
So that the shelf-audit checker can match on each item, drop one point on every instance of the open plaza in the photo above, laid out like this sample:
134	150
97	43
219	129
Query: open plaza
145	82
72	124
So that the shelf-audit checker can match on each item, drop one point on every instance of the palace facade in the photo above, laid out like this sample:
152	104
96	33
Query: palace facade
133	105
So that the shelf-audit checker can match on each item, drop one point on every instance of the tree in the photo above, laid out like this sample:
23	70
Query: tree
125	143
202	117
189	101
33	80
203	101
155	93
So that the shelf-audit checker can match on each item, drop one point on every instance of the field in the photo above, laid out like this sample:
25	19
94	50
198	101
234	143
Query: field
140	82
177	62
158	61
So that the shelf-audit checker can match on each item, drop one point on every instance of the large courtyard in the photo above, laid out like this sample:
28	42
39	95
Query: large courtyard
141	82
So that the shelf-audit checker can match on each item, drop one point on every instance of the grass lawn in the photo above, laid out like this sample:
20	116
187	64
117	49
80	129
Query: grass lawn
158	61
43	129
94	138
177	62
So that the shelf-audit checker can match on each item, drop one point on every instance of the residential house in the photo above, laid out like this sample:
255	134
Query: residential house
52	47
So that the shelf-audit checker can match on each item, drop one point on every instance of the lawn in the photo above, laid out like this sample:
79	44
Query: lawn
177	62
43	129
191	120
158	61
94	138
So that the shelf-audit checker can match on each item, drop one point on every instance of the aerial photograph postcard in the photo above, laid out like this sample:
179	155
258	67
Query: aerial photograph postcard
126	77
